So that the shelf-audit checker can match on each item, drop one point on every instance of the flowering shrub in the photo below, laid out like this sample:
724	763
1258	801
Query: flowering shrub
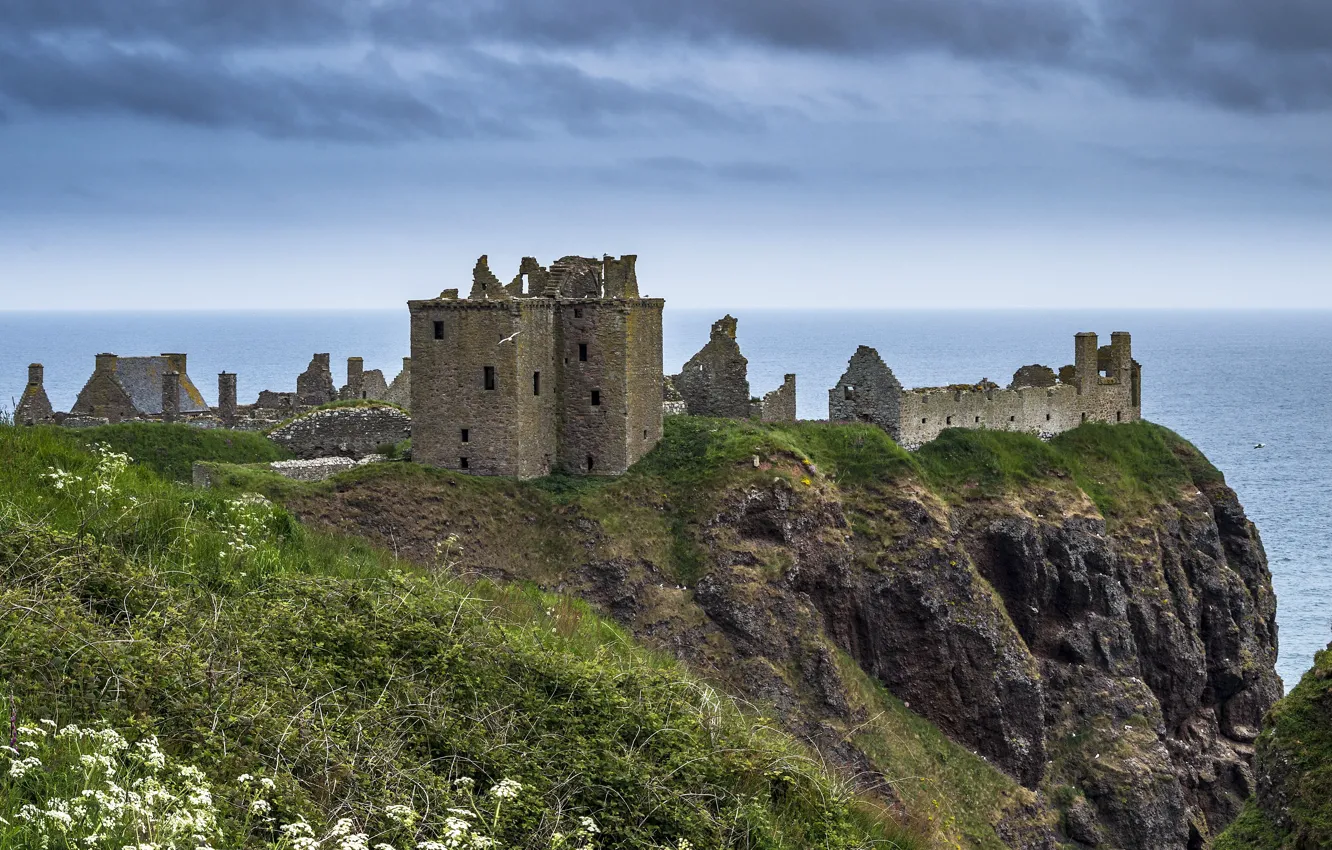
76	787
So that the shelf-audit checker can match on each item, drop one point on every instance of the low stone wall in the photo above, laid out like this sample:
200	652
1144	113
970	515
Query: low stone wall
350	432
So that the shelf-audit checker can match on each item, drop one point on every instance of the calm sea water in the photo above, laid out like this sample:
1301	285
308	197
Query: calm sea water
1224	380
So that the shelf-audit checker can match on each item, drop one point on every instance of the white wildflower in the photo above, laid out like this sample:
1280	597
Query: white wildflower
506	789
402	815
260	807
267	783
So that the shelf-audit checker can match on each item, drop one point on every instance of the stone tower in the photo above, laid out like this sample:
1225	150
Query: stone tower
558	370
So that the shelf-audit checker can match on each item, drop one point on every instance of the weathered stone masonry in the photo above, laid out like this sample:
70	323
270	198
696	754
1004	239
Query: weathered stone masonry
558	370
1103	385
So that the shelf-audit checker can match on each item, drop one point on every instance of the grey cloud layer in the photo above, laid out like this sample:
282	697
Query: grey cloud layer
183	60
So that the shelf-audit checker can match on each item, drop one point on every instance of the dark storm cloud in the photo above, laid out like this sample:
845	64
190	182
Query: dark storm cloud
186	60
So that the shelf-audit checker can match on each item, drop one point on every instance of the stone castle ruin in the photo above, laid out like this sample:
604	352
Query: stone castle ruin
560	369
1104	384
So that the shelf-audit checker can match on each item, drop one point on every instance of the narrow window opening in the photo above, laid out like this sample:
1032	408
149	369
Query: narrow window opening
1119	416
490	377
536	383
1084	417
1012	419
462	463
1047	417
645	433
922	421
365	394
977	419
850	393
439	330
465	435
948	420
590	462
596	398
578	312
582	351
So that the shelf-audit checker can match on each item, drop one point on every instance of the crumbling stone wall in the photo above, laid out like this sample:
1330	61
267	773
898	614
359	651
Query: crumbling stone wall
1034	375
1104	385
400	391
560	376
715	381
353	432
34	407
780	404
672	403
315	385
868	391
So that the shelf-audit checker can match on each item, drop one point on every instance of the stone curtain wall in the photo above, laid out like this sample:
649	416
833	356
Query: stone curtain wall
643	371
353	432
400	391
715	381
868	391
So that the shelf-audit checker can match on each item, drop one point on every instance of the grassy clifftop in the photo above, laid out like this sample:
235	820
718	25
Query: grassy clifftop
251	645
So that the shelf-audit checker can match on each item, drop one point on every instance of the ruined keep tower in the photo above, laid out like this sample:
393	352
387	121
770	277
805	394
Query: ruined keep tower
560	369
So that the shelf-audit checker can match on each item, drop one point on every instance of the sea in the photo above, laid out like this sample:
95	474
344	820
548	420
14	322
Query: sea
1226	380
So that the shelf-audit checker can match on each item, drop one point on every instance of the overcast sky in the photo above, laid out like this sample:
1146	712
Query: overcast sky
924	153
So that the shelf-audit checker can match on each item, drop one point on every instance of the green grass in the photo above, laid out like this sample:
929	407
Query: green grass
170	450
356	681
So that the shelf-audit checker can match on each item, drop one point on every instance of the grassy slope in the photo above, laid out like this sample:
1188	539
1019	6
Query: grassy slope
655	513
356	682
171	450
1296	745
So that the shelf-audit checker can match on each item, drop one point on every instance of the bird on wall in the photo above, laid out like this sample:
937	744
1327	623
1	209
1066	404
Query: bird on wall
509	338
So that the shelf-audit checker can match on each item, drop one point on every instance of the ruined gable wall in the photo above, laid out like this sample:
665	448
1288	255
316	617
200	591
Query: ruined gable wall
34	407
868	391
315	385
644	376
715	381
448	392
103	398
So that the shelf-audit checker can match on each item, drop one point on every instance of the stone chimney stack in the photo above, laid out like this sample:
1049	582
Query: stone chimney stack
355	377
36	374
226	398
170	396
1086	362
105	363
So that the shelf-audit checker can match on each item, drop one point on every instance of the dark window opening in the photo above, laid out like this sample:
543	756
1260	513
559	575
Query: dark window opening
978	419
1084	417
536	383
645	433
490	377
590	462
596	398
582	351
465	435
462	463
1119	416
365	394
922	421
439	330
1047	417
850	393
578	312
948	420
1012	419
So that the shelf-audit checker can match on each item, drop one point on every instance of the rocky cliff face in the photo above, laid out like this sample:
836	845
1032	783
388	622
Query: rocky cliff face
1116	668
